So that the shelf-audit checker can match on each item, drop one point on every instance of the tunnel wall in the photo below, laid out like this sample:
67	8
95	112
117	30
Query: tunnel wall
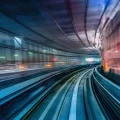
17	53
111	49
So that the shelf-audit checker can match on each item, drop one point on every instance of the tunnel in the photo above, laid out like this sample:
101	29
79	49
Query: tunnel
59	59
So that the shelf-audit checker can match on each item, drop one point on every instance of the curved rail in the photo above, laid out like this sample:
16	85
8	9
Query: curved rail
92	107
31	94
74	93
62	102
107	94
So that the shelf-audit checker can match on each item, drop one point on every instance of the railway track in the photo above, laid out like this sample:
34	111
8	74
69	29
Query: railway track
62	103
22	100
69	94
107	94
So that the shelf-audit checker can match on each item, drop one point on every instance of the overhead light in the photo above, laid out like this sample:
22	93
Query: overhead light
30	53
116	51
44	50
89	59
2	57
18	40
16	55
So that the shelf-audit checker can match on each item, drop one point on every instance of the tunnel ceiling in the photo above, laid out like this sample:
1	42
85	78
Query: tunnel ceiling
63	24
